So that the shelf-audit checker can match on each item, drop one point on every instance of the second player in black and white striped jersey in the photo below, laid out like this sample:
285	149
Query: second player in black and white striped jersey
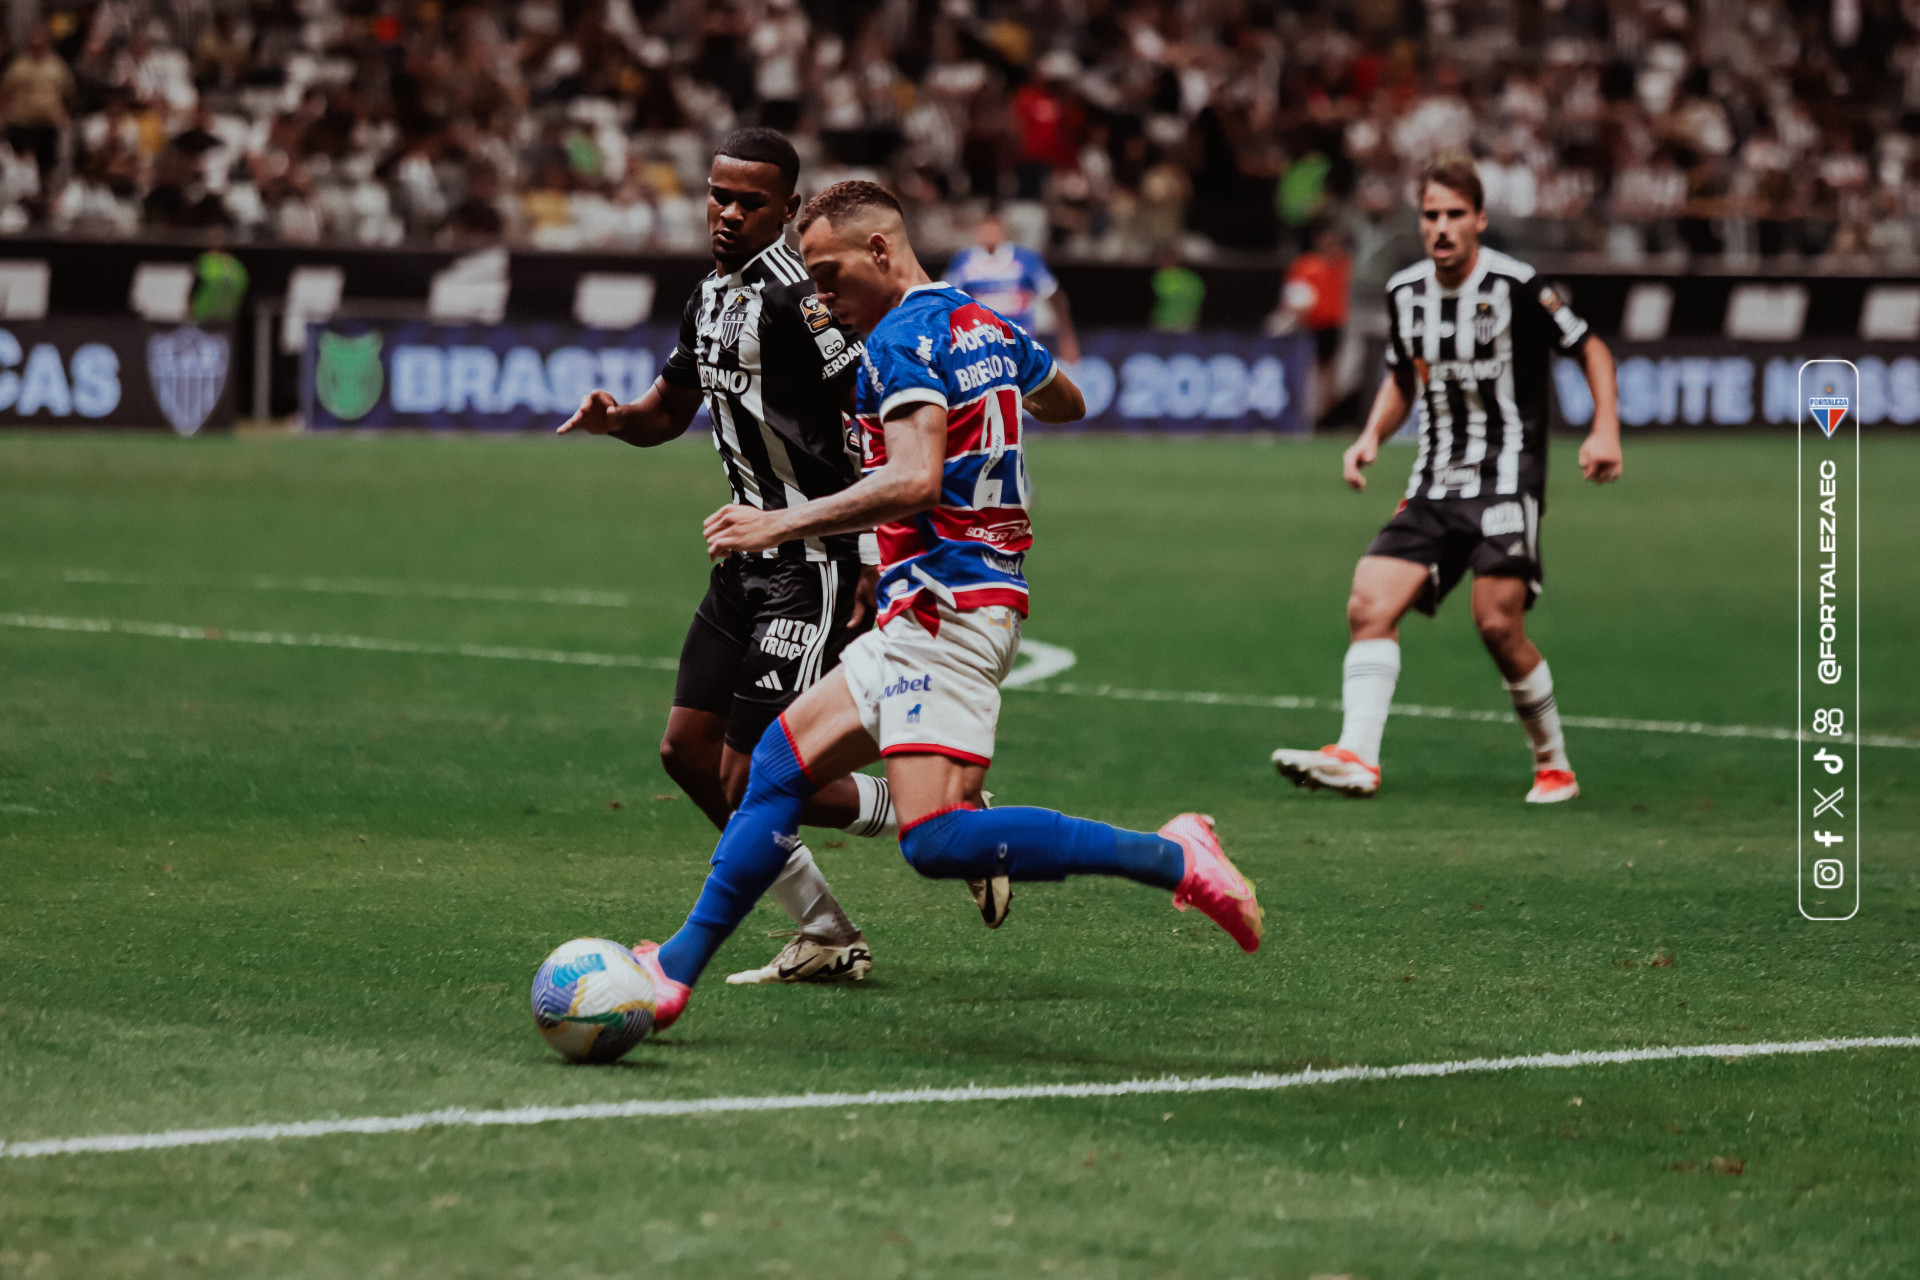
1478	357
776	372
1473	335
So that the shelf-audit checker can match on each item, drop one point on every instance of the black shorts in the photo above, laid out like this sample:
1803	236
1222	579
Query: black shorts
766	631
1496	537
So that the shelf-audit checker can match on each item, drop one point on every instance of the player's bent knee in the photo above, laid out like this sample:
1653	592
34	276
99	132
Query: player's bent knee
676	759
944	847
1500	630
1368	617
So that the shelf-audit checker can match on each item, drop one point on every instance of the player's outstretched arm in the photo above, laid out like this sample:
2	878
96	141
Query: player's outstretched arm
1057	401
908	484
1390	405
663	413
1600	456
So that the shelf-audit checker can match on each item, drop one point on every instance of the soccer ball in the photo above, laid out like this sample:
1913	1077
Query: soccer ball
592	1000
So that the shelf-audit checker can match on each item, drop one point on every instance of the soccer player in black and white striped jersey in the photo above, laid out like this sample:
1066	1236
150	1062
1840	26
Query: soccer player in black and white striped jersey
775	372
1472	336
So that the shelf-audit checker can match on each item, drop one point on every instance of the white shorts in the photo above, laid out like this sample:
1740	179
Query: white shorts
934	693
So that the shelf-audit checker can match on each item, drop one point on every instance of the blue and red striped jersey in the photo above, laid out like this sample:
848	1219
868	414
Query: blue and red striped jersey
941	347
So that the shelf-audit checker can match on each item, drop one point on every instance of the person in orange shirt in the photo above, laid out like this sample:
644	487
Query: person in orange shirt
1315	298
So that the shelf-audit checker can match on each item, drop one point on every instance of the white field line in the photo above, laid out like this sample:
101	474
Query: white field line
1287	702
344	586
461	1117
1043	660
171	631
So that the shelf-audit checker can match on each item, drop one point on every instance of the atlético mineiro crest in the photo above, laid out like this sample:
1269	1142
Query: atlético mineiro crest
734	320
1828	411
187	370
1483	324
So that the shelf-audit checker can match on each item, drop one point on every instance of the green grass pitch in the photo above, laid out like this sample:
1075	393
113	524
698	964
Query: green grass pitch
242	884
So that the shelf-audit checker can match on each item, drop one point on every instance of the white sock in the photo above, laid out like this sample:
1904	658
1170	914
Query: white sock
1367	678
1533	702
876	808
803	893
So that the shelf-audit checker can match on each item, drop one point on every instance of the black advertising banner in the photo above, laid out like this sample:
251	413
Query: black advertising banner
114	372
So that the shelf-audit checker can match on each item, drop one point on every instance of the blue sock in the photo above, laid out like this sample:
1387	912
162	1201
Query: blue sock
1038	844
752	850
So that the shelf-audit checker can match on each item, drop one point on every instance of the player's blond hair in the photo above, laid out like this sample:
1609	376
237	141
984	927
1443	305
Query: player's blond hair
844	202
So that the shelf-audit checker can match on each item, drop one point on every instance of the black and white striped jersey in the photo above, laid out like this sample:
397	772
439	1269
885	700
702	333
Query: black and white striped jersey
1479	358
775	370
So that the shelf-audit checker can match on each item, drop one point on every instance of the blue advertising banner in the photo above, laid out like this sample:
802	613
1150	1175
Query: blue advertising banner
1194	381
1739	384
518	377
503	377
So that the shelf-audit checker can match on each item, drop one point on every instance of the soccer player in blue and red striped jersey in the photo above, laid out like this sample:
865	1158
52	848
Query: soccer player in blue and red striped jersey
943	381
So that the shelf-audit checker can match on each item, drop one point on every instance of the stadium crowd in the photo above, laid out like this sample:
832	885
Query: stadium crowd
1111	128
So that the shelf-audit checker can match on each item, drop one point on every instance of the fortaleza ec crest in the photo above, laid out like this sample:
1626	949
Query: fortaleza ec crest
1828	411
347	378
187	370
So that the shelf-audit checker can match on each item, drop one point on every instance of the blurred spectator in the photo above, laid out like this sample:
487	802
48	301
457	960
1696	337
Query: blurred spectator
35	92
1014	281
219	287
1048	125
220	56
1314	298
1178	293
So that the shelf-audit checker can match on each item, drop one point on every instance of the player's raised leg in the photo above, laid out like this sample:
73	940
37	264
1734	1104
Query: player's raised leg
1384	588
1499	611
945	837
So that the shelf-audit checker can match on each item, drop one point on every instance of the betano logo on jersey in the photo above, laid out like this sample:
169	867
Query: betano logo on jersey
1464	370
1828	411
735	380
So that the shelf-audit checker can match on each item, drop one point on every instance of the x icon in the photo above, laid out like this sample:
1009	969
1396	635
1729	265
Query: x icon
1829	802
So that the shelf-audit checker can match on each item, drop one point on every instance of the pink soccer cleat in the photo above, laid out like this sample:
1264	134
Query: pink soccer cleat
672	995
1212	882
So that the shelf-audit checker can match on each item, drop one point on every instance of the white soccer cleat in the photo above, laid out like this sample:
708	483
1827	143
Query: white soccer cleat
809	960
1333	768
994	897
1551	786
